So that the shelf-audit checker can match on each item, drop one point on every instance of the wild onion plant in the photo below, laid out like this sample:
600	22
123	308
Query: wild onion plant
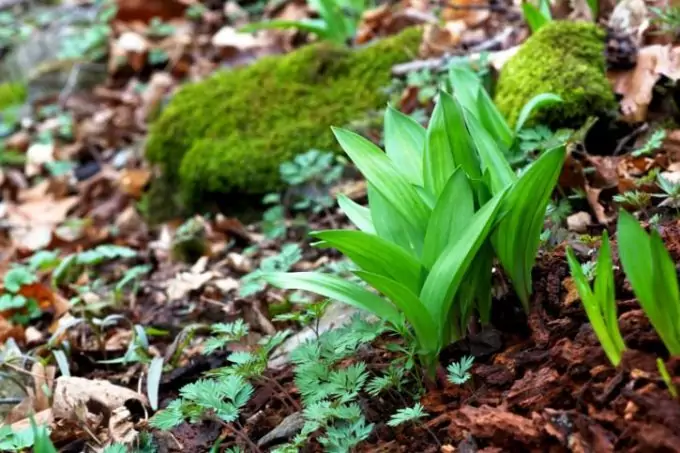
653	277
442	202
600	302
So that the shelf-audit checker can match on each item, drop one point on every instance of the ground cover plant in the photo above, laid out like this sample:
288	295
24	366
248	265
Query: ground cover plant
288	226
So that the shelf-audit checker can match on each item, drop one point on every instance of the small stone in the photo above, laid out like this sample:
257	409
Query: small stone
579	222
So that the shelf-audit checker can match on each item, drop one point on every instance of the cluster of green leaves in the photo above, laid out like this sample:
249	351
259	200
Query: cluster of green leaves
309	177
459	372
90	42
443	202
26	308
667	18
337	22
652	275
600	303
71	266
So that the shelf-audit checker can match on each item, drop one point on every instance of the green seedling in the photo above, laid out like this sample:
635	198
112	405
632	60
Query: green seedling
600	303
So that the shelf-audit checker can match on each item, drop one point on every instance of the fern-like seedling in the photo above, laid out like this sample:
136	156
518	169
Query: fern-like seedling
225	333
408	414
459	372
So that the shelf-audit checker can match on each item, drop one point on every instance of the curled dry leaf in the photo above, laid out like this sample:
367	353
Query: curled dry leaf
437	40
593	197
34	222
72	393
471	12
637	85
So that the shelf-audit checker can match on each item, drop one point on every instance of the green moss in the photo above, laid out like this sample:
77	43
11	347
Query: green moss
12	93
229	133
566	58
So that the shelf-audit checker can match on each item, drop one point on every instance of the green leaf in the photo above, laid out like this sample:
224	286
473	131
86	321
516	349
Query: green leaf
336	288
600	306
450	215
374	254
389	182
534	17
517	236
17	277
359	215
492	159
404	144
438	165
493	121
466	87
538	101
416	313
448	271
462	147
169	417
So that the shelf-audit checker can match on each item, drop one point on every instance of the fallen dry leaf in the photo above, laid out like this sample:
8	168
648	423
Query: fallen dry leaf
37	155
438	40
34	222
133	181
637	85
579	222
145	10
471	12
72	393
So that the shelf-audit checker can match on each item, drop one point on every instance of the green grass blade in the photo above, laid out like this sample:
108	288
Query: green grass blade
338	289
538	101
416	313
451	214
593	310
381	173
359	215
447	272
438	163
517	236
376	255
404	144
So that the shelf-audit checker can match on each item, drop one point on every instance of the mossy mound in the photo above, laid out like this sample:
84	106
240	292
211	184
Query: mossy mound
565	58
12	93
229	133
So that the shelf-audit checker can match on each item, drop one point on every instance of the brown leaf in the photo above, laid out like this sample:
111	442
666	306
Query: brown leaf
133	181
34	222
593	196
637	85
494	423
145	10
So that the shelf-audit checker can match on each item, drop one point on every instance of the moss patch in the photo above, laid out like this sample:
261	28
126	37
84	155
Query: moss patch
565	58
12	93
230	133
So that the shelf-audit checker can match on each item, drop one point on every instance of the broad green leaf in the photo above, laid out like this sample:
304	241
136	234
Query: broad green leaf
533	16
426	329
454	209
666	301
448	271
466	87
517	237
492	158
376	255
480	280
594	6
381	173
636	258
538	101
359	215
153	381
544	8
404	144
438	163
493	121
338	289
391	225
462	147
334	18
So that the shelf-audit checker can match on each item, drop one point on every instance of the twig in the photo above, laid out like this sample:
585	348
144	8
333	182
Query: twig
624	141
70	84
441	63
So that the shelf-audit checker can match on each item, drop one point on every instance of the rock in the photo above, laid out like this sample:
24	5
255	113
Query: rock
579	222
229	133
285	430
565	58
